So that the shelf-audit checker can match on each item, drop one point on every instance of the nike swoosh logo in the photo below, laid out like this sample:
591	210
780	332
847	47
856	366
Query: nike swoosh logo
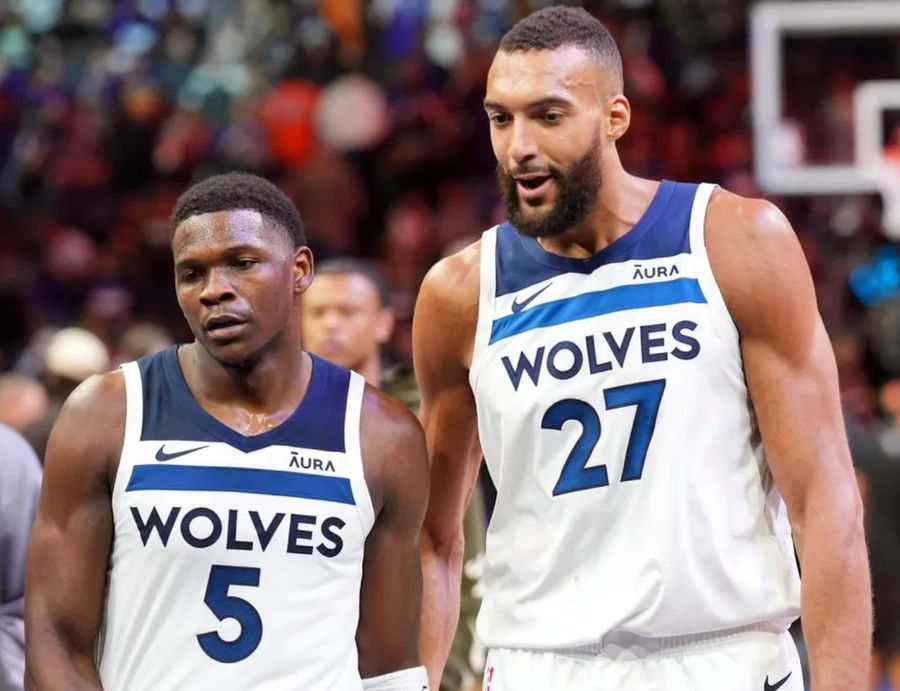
519	306
161	454
777	685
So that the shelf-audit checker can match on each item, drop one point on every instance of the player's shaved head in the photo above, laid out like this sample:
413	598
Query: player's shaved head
554	27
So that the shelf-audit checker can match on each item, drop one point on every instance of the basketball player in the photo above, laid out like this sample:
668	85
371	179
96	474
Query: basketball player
649	377
233	513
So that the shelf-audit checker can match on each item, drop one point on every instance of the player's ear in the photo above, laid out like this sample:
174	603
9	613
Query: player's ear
385	326
618	117
303	269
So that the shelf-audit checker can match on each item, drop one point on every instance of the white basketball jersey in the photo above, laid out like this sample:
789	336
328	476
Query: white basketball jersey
236	561
633	493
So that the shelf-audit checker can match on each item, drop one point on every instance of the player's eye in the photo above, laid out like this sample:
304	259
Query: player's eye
245	263
499	118
191	275
551	117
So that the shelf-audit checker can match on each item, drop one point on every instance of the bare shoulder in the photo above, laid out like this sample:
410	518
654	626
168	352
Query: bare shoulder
91	425
387	420
98	400
446	312
393	447
453	282
756	257
745	220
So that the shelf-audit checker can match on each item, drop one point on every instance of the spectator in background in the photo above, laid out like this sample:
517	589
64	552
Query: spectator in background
20	481
287	117
141	340
346	319
329	195
876	455
408	248
23	400
72	355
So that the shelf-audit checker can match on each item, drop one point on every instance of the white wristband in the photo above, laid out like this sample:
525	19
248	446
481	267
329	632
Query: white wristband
412	679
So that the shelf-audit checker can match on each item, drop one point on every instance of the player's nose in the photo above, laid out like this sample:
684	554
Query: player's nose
522	144
216	288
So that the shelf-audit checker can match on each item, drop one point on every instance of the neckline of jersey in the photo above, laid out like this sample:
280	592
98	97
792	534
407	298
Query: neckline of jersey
230	436
614	249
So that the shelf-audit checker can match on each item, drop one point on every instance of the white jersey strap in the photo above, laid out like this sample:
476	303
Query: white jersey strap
486	293
134	420
352	421
724	325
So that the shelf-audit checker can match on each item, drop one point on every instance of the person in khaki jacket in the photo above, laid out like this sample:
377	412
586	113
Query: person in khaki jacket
346	319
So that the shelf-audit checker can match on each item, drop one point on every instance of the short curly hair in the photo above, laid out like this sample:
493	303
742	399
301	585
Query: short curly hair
553	27
238	190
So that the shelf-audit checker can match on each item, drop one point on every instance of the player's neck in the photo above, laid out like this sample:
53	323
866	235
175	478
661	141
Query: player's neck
622	201
266	384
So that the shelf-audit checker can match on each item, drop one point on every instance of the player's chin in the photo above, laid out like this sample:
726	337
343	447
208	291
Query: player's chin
231	353
535	215
535	208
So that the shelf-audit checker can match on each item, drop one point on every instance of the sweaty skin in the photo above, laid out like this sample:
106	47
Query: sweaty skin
238	265
544	111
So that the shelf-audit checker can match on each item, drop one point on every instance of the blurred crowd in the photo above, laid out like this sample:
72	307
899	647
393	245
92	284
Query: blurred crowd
368	114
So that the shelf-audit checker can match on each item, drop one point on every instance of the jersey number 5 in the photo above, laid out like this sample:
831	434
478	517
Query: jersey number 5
226	606
575	476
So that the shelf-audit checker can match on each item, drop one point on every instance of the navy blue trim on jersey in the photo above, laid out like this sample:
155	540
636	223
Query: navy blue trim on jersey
522	262
171	413
596	303
278	483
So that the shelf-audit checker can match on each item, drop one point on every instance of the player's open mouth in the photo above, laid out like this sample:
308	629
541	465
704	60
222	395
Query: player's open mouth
533	186
224	327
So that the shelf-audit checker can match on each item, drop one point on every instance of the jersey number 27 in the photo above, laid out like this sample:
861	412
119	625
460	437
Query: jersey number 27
575	476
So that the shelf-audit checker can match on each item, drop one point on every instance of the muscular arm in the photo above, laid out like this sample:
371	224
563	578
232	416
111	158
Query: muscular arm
390	596
443	332
69	548
792	379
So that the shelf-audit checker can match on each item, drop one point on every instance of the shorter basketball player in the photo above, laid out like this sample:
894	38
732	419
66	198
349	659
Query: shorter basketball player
233	513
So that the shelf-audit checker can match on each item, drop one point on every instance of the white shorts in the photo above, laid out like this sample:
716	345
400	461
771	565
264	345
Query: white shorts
750	660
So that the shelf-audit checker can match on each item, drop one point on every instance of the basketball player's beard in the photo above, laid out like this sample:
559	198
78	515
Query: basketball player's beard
578	191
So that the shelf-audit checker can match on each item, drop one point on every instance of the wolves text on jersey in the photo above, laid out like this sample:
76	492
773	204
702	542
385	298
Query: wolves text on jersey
202	527
601	352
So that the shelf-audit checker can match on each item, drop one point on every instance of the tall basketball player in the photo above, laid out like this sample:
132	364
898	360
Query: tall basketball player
233	513
656	399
